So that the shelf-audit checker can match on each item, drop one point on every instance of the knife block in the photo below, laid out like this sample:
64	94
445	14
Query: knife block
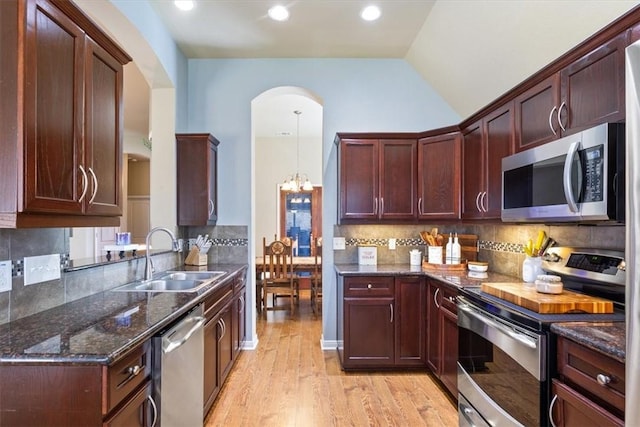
195	257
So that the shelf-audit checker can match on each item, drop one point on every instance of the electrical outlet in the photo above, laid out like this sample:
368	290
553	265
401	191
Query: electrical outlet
5	276
41	268
392	244
339	243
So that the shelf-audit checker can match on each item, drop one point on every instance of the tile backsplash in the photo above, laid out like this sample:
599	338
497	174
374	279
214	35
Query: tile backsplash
499	244
230	246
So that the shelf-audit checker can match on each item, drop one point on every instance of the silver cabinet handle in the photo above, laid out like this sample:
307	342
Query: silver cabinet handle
211	207
550	118
563	105
391	307
381	205
95	185
85	183
375	206
603	379
134	370
155	410
452	299
420	206
553	402
483	203
243	303
369	286
478	201
435	297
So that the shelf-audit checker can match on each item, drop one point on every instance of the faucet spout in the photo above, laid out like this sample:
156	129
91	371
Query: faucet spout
148	266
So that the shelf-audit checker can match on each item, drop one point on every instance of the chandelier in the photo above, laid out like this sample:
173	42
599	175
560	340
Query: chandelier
297	182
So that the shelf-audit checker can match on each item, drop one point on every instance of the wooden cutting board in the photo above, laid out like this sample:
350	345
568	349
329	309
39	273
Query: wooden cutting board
529	298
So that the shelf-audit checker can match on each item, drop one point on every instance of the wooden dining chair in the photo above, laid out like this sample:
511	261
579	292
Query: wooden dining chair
316	278
278	277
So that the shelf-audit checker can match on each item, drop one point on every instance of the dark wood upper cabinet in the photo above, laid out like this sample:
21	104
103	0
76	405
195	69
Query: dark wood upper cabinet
197	181
585	93
484	145
439	175
61	118
377	179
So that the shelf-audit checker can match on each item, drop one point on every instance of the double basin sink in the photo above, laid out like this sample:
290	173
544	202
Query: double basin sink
173	281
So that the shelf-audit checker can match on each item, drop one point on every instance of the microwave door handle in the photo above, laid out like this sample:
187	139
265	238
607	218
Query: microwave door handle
566	178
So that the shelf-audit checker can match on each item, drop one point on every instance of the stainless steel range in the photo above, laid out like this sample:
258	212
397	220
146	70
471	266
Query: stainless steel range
506	352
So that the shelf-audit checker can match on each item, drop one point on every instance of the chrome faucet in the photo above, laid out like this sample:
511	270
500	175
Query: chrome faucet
148	266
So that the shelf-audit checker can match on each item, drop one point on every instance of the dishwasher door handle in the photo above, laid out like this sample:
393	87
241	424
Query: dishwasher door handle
169	345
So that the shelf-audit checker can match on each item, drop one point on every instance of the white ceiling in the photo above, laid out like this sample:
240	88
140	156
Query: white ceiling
469	51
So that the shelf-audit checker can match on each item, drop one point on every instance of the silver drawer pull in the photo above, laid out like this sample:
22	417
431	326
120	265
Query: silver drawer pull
369	286
603	379
134	370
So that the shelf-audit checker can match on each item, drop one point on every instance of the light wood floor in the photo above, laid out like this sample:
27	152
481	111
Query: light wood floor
289	381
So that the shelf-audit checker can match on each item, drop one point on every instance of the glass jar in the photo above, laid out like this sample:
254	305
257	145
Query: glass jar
531	268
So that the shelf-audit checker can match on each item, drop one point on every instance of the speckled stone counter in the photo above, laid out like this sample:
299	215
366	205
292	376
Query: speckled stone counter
456	278
101	327
607	337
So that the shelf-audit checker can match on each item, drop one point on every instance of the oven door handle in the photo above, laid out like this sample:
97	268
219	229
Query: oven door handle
521	338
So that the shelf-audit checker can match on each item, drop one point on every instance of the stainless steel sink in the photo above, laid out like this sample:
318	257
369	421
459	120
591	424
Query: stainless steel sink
193	275
173	281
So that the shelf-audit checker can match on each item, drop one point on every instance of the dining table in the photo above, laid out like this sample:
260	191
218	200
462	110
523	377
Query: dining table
299	263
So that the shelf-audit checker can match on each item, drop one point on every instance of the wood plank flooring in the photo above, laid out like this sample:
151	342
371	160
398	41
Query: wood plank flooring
289	381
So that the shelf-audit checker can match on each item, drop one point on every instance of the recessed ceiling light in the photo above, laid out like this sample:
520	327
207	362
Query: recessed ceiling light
370	13
184	4
278	13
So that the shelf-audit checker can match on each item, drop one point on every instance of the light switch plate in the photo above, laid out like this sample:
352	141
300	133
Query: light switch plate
339	243
41	268
392	244
5	276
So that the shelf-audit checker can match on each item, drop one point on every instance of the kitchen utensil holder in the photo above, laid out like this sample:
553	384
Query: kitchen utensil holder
196	258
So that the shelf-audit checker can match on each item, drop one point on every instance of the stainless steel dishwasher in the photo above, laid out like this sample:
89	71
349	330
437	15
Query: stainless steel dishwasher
179	370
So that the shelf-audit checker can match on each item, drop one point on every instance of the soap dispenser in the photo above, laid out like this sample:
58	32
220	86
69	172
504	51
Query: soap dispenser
455	251
449	251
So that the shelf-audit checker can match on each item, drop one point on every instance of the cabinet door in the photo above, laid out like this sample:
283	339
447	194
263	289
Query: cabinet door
449	337
473	171
593	87
439	177
103	130
433	327
225	343
137	412
398	165
53	78
213	184
571	409
358	184
536	115
239	323
499	134
196	157
368	332
211	383
410	300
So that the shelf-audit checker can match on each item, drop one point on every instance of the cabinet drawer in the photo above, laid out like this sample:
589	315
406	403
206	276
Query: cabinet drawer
570	408
582	367
125	375
368	286
217	300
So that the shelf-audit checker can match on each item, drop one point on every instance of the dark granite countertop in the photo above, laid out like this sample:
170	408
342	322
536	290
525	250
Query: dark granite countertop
99	328
459	279
605	337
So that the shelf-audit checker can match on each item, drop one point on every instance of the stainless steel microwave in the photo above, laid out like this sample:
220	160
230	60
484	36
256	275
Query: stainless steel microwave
578	178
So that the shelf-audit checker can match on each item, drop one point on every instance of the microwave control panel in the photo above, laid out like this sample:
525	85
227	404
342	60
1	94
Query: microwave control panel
593	159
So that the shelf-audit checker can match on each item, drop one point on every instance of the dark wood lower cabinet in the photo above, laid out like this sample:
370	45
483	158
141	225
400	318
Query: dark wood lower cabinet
442	333
572	409
138	411
384	322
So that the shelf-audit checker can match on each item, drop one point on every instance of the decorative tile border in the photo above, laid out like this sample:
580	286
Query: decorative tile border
230	242
483	244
